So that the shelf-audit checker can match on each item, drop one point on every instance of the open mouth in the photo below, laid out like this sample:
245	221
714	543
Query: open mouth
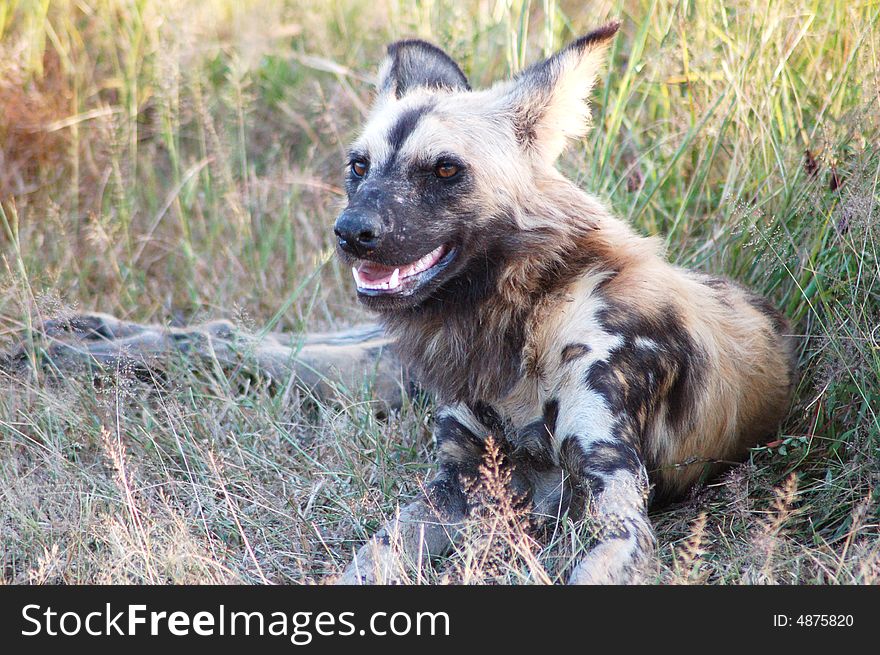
376	279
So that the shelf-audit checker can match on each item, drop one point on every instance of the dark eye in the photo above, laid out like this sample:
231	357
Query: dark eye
359	167
446	170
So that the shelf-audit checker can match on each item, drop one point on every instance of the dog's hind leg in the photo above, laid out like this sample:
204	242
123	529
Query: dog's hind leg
328	365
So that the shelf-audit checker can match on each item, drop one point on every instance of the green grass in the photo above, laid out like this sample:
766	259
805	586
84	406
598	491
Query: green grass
175	161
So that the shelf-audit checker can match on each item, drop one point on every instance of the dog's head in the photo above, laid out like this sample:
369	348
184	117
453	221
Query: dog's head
439	175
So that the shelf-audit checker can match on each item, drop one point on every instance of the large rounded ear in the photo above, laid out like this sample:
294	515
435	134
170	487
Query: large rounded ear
548	102
414	63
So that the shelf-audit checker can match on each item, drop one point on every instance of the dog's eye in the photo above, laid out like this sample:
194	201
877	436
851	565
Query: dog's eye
359	167
446	170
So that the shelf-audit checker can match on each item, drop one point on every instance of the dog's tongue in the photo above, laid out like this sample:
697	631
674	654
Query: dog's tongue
376	273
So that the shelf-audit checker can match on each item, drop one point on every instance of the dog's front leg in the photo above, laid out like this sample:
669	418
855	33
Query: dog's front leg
424	528
429	526
616	484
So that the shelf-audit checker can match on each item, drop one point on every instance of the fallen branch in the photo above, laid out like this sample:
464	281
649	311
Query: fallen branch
325	365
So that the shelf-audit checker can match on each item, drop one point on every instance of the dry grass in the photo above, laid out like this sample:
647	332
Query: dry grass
175	161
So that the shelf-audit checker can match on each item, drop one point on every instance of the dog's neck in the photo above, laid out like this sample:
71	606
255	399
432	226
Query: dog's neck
471	340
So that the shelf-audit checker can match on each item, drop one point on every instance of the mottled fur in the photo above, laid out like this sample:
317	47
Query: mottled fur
554	327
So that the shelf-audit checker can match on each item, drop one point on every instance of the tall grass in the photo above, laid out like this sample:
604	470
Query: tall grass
174	161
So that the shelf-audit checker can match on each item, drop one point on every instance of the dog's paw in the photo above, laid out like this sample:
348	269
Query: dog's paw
611	562
376	563
369	576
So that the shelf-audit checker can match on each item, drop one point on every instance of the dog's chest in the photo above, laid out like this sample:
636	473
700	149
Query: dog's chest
524	425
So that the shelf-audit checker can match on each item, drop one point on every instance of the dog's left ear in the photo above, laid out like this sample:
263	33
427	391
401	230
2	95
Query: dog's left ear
548	102
414	63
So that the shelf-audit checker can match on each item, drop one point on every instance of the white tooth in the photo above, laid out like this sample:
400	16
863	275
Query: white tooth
357	278
395	279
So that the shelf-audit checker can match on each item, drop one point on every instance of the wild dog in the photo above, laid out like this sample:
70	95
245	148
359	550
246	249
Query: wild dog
534	315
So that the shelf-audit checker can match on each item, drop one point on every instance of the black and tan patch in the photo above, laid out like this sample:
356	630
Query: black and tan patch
535	441
456	443
634	380
574	351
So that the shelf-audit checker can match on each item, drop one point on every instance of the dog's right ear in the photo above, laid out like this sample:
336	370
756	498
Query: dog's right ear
414	63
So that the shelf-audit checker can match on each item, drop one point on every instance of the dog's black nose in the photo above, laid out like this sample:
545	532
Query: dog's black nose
358	231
